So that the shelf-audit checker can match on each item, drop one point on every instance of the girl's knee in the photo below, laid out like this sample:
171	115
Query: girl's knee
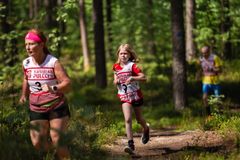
128	121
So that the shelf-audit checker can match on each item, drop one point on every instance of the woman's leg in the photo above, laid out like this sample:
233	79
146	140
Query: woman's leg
39	134
58	127
127	112
206	88
205	104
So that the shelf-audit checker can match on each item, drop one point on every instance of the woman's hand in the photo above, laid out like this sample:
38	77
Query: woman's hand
116	81
47	88
22	99
129	80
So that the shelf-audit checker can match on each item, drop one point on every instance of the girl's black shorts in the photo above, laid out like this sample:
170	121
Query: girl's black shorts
59	112
137	103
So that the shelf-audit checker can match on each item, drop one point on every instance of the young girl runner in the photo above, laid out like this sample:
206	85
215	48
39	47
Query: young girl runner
126	77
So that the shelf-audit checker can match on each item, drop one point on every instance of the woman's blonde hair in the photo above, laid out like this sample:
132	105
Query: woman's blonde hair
128	49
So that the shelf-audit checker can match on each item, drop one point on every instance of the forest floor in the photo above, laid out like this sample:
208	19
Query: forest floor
170	142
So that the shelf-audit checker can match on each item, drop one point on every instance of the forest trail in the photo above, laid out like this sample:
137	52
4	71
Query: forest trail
167	142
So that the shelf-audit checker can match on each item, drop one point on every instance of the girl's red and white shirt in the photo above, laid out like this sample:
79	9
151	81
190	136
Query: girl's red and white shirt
127	92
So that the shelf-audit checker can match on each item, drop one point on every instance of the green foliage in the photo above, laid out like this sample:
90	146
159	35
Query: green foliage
55	40
133	28
216	103
14	131
208	20
108	135
231	72
222	121
211	156
66	11
2	8
214	122
9	41
231	127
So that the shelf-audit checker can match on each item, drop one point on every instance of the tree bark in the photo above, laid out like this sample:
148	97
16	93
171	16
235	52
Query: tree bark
62	26
109	29
51	22
5	27
50	16
152	48
84	41
225	28
178	51
99	46
190	25
34	6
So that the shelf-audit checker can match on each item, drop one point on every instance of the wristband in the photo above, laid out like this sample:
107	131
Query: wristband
54	88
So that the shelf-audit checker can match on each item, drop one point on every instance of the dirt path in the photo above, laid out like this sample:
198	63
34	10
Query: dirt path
166	142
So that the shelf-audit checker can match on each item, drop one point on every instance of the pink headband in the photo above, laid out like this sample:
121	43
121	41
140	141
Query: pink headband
33	36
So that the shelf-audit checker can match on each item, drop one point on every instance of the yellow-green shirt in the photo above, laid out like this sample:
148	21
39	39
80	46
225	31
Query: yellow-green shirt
213	79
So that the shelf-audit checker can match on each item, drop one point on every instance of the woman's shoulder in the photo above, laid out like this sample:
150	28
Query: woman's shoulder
26	61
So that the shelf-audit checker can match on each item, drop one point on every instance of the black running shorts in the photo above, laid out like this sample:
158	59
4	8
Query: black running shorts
137	103
59	112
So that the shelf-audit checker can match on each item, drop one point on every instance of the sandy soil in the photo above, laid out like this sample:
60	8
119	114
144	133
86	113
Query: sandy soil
167	142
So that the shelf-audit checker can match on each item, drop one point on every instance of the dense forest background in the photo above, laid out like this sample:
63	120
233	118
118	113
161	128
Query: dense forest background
85	34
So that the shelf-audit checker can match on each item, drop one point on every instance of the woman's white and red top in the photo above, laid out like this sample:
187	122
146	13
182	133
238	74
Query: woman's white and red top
37	75
127	92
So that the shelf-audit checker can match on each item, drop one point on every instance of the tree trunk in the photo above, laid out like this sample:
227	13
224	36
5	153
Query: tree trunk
152	48
100	64
190	24
50	14
84	41
51	22
5	27
109	29
62	26
31	9
179	61
225	28
34	6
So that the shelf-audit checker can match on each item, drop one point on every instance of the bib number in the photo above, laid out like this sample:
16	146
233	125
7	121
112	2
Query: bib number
124	86
38	86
